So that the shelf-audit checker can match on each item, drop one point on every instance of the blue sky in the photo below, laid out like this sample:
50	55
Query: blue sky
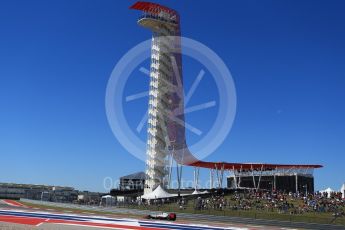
286	58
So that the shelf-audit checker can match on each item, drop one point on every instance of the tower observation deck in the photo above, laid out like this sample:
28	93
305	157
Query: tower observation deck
166	127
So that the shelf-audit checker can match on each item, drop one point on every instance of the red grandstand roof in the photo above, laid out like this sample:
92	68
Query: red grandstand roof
249	166
152	8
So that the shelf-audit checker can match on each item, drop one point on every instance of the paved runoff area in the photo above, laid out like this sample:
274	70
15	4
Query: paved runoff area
14	215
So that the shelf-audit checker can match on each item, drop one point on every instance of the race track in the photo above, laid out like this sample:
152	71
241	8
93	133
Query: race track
44	218
14	215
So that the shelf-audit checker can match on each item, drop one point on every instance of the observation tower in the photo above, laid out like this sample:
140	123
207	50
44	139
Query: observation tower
166	132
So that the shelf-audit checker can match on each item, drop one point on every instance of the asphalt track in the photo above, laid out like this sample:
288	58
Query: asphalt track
207	218
48	219
40	218
14	215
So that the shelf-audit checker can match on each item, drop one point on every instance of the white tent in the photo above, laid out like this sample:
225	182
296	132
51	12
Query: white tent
196	192
342	190
328	190
199	192
158	193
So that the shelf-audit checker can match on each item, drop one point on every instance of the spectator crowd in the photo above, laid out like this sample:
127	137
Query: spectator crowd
274	201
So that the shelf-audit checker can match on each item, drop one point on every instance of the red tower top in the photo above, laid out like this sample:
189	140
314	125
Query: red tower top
154	8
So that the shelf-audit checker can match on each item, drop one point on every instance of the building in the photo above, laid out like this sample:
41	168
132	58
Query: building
289	178
63	194
135	181
13	191
36	192
90	198
60	194
279	182
130	187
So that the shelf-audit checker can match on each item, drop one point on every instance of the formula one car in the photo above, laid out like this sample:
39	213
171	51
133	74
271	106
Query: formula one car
162	216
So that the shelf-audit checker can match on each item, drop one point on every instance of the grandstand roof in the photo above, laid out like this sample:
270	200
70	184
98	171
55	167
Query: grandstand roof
250	166
134	176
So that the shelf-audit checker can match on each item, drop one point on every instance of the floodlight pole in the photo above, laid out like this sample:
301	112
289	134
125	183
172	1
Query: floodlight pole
235	179
262	168
211	178
196	178
306	190
179	175
254	183
296	176
239	177
170	165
